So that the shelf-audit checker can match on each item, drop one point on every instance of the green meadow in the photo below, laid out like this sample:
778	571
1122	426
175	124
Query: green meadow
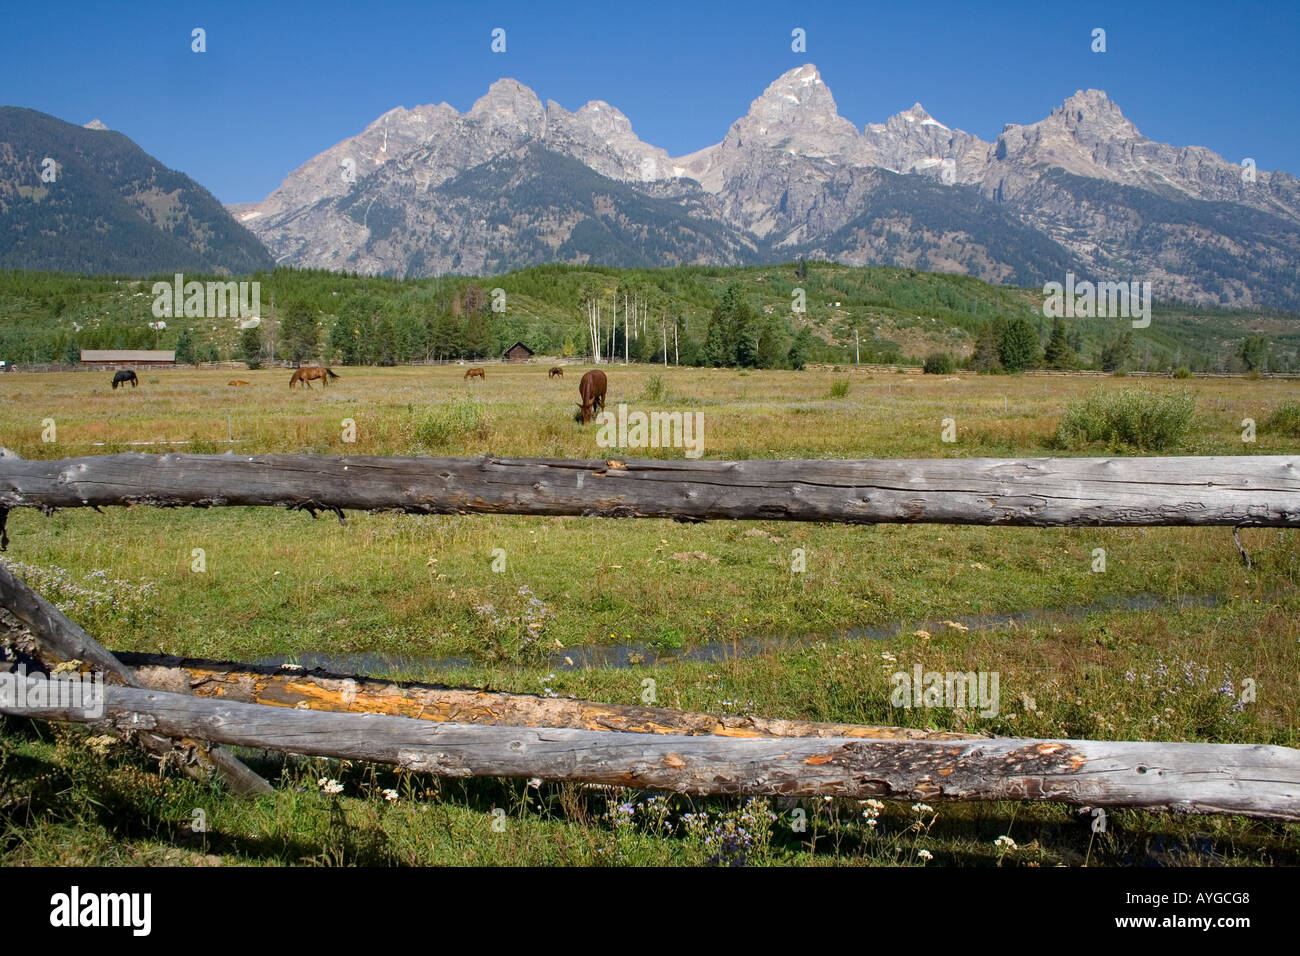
1157	646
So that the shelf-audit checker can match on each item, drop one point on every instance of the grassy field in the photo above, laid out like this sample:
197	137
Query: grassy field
1156	647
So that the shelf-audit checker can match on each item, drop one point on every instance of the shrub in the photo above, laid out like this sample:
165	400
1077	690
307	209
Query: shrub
453	424
1182	372
1285	420
939	363
655	391
840	389
1129	416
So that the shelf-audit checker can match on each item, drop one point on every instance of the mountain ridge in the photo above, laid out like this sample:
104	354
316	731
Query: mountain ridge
88	199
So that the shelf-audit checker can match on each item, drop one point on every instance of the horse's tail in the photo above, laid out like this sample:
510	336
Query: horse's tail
331	373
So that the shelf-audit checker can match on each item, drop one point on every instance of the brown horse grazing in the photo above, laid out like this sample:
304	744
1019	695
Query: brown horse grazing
592	389
123	376
308	373
236	381
557	372
475	373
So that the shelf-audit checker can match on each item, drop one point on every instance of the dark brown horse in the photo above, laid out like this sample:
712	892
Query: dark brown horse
475	373
123	376
592	389
308	373
557	372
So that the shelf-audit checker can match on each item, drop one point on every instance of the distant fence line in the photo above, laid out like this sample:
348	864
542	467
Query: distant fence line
1068	373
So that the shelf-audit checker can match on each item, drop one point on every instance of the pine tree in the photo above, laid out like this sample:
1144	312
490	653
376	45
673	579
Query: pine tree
987	357
772	347
185	347
477	334
385	347
299	334
715	350
250	347
1253	352
800	349
1058	354
446	341
1018	345
1118	353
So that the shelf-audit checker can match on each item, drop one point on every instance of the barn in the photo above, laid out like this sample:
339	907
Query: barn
518	353
137	358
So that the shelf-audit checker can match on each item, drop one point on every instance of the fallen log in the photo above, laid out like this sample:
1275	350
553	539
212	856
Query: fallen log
58	637
279	687
1260	491
1253	780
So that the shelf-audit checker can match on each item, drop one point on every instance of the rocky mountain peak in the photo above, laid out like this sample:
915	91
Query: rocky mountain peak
509	104
790	174
798	96
601	137
798	112
913	141
1086	135
1092	116
917	115
602	118
95	124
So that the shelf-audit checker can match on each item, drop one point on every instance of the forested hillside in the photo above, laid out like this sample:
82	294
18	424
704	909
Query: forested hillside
705	315
92	201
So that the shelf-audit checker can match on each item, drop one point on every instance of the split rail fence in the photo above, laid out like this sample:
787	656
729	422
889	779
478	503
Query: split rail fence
189	709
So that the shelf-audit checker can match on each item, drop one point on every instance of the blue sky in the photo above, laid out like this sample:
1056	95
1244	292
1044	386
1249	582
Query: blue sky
282	81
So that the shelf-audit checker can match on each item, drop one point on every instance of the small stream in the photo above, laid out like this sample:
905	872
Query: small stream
635	653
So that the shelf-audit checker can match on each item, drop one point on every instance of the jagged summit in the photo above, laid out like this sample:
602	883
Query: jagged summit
800	97
800	78
1093	114
917	114
791	174
95	124
510	103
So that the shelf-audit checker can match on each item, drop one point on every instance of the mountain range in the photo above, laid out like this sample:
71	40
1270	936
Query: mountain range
514	182
88	199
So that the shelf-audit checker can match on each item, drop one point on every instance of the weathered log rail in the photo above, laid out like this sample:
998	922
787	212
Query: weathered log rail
1261	781
1245	491
281	687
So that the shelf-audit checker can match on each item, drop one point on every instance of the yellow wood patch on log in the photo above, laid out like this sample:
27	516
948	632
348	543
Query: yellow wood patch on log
360	695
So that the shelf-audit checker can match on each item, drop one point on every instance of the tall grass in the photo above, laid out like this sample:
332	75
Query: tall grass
452	424
655	390
1141	419
1285	420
